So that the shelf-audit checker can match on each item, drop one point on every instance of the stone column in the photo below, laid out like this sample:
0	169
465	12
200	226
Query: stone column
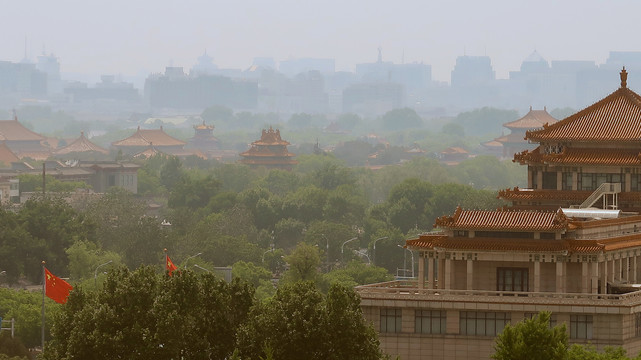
470	275
626	266
421	270
430	273
448	274
611	270
537	276
560	288
604	276
585	278
559	180
628	179
539	179
634	269
594	277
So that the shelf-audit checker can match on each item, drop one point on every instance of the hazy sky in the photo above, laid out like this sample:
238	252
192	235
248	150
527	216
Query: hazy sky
133	37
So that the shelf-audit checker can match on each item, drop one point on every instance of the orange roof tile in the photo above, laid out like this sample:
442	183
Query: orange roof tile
454	150
81	144
156	137
533	119
615	118
613	157
12	130
6	155
270	137
508	220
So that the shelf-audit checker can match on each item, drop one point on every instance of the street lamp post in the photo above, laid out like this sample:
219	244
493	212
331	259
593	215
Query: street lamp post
374	251
95	273
201	268
362	253
193	256
271	248
342	246
405	260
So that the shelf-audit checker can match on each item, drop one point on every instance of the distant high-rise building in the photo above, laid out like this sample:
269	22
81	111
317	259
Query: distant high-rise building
294	67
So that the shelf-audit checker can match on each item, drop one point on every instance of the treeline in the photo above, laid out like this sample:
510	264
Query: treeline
292	225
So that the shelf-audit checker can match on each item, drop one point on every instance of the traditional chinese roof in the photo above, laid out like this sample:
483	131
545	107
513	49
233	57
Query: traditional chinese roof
454	150
615	118
270	137
583	156
204	126
533	119
12	130
506	220
81	144
443	242
6	155
156	137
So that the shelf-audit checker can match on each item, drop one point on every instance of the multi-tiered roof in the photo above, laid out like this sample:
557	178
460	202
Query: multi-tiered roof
574	159
145	138
269	151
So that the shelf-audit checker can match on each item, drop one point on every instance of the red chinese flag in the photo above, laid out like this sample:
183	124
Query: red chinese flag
56	288
169	265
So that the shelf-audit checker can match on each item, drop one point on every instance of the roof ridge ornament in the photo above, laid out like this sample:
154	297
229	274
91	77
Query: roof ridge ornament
624	78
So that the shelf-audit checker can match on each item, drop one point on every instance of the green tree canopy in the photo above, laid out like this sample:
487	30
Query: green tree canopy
532	339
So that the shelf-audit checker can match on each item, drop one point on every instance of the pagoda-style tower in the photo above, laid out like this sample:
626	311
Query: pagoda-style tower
515	141
203	139
270	151
577	156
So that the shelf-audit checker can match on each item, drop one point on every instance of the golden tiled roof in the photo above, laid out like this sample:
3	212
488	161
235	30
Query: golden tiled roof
569	156
615	118
533	119
81	144
155	137
506	220
270	137
12	130
6	155
443	242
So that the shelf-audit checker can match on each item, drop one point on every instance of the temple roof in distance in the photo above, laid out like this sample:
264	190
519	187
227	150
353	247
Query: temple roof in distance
155	137
270	137
533	119
615	118
81	144
6	155
12	130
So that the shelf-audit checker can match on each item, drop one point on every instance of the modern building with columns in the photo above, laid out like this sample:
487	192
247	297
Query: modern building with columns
570	244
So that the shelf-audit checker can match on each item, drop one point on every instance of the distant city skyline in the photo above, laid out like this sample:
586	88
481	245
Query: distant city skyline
134	38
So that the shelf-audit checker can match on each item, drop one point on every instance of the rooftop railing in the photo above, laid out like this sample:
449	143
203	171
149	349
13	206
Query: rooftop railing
408	289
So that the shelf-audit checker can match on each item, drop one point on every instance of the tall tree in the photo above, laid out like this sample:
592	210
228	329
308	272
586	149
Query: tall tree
532	339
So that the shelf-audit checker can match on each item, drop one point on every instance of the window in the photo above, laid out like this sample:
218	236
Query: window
634	182
512	279
566	181
549	180
430	322
637	324
580	326
390	320
483	323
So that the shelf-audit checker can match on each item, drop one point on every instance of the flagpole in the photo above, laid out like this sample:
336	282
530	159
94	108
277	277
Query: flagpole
42	332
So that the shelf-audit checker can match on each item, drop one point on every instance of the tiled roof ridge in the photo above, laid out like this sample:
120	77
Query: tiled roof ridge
547	219
624	92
